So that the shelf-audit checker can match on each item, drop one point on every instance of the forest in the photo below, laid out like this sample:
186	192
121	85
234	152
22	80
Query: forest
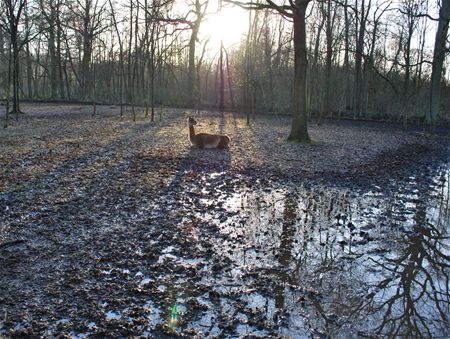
224	168
366	58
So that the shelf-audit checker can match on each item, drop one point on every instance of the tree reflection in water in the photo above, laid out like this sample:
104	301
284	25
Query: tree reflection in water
354	264
414	297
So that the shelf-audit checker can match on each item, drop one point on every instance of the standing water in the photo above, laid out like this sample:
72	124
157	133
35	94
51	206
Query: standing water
333	262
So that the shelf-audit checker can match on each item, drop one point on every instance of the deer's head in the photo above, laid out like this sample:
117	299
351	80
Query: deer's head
192	121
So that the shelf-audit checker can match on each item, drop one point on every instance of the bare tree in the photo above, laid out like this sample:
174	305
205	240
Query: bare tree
296	11
89	23
361	19
329	13
11	23
51	11
221	79
121	56
249	74
150	50
199	11
408	23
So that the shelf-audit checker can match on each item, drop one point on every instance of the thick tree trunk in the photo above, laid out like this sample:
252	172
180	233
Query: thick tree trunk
438	60
299	129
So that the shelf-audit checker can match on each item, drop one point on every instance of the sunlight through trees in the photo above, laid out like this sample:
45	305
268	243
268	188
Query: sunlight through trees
361	59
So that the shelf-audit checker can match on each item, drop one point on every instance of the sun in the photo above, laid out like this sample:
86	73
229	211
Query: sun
227	26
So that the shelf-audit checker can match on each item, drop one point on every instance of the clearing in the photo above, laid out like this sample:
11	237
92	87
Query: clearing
110	227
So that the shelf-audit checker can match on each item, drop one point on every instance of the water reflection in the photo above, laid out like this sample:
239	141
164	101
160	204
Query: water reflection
348	264
411	297
415	287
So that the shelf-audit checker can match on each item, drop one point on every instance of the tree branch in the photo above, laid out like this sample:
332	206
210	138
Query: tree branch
282	9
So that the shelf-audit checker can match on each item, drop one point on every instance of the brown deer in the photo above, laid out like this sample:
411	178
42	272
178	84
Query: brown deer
206	140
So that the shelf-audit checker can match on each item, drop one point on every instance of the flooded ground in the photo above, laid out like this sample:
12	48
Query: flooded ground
123	234
313	261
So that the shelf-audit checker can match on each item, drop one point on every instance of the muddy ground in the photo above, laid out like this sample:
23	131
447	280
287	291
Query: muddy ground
114	227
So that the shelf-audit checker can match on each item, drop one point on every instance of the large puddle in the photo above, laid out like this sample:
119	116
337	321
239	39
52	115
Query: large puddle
326	262
280	260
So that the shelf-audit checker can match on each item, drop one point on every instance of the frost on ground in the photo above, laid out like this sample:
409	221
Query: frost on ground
121	228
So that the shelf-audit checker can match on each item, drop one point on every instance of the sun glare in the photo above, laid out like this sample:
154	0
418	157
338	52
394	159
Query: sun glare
228	26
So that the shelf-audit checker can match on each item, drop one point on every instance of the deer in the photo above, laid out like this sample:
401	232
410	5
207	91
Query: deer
206	140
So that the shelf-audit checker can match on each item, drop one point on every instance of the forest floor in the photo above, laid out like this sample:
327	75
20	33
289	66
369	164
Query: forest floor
110	227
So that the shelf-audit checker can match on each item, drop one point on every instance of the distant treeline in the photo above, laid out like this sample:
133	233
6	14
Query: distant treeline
367	59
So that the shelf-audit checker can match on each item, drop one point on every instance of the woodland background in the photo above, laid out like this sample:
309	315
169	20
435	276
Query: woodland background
367	58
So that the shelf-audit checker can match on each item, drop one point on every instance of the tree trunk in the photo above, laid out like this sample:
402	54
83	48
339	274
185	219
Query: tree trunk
268	62
193	79
299	129
53	62
121	59
229	78
15	72
152	74
248	68
2	43
61	70
8	88
13	19
438	61
348	96
357	105
192	83
28	57
406	97
328	63
135	82
222	80
85	89
314	85
129	84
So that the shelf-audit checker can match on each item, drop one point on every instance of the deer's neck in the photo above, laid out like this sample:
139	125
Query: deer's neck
191	132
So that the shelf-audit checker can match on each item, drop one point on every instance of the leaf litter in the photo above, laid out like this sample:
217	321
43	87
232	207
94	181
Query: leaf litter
110	227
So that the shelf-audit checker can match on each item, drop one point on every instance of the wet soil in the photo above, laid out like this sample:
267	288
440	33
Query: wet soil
113	227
